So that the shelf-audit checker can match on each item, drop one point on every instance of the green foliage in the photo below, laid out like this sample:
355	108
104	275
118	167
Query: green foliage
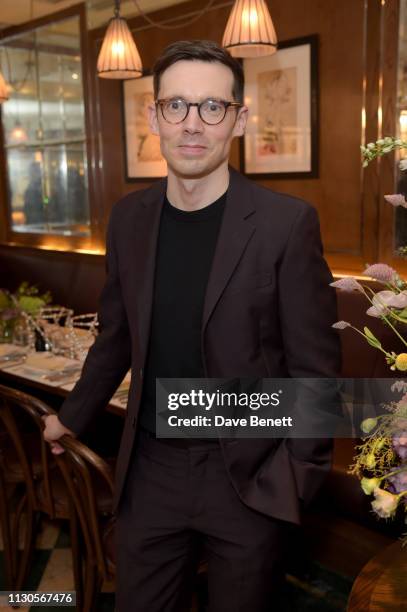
4	300
371	338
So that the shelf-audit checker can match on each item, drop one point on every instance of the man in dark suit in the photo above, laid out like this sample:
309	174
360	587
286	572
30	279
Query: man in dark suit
209	275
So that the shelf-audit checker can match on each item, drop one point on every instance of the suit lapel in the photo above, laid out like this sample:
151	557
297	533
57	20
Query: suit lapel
146	227
234	234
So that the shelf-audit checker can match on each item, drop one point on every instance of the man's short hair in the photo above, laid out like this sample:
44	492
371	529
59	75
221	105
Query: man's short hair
201	50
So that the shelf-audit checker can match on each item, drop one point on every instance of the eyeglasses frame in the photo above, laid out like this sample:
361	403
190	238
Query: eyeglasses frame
225	103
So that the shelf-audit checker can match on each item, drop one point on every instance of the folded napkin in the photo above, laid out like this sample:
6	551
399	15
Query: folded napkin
11	349
44	364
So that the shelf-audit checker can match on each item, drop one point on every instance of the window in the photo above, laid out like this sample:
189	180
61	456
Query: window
44	131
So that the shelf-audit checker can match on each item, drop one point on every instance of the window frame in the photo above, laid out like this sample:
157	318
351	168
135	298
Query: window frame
93	242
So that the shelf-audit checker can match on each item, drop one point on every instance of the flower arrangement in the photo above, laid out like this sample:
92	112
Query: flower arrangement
390	305
26	299
381	460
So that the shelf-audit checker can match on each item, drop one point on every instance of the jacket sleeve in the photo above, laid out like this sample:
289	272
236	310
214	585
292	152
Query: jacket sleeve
308	309
109	357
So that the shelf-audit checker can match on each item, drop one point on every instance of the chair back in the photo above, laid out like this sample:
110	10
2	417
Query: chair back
85	475
18	409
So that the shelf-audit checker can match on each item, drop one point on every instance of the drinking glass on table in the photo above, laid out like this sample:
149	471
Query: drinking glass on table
49	322
81	333
23	334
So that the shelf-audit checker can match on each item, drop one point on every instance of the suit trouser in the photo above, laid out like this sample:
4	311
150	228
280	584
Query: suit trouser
173	499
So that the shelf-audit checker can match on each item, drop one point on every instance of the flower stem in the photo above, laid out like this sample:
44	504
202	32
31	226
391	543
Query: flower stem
367	339
394	473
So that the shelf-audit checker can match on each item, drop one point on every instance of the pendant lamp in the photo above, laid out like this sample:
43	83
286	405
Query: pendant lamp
4	95
250	31
119	57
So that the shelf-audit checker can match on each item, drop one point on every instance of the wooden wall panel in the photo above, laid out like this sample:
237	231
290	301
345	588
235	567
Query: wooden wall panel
75	280
387	165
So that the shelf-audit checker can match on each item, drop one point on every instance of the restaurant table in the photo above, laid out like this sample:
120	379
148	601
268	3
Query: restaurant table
381	586
24	374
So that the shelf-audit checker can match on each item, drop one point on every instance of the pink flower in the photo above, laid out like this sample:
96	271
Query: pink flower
399	442
374	312
385	503
396	199
383	300
347	284
399	300
380	304
341	325
381	272
401	386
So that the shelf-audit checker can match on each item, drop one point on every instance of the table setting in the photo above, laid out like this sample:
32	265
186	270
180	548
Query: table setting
45	345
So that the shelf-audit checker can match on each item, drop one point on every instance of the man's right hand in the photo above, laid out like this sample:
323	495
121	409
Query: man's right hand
53	431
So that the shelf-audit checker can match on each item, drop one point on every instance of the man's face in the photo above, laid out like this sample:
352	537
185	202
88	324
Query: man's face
193	148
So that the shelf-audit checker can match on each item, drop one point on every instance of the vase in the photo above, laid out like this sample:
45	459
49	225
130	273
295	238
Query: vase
6	330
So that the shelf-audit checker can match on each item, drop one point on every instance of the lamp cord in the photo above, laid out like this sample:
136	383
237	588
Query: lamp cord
17	86
163	26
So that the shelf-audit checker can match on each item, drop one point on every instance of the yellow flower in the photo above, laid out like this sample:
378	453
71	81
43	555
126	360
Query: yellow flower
380	443
370	461
367	425
369	485
401	362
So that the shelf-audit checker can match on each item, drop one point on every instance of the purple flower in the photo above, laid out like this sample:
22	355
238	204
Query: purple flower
396	199
347	284
399	481
381	272
341	325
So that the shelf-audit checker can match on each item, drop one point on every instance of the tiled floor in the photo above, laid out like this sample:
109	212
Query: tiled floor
318	591
52	567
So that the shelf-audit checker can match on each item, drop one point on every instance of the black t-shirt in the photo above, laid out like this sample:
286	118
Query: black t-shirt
186	244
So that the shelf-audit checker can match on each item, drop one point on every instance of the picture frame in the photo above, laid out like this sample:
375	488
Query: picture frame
143	159
281	92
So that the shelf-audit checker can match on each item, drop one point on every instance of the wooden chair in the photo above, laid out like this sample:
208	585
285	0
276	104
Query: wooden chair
5	526
25	459
85	475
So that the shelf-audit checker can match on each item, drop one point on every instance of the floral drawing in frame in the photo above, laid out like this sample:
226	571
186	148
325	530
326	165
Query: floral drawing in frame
281	92
142	148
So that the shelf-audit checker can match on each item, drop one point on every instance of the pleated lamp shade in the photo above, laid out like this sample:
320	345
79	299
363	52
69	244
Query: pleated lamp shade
4	96
119	57
250	31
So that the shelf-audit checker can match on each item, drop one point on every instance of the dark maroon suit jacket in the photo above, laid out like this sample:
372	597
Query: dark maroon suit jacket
268	312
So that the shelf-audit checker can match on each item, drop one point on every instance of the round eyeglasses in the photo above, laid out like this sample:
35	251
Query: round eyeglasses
211	111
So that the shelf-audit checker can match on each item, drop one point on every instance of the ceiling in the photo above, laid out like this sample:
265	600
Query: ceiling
13	12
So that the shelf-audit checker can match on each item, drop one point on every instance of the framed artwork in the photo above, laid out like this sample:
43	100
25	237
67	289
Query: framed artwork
281	92
142	149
